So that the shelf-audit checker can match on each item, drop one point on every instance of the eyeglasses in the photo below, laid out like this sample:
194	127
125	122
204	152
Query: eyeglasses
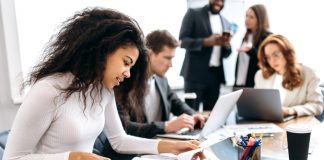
273	56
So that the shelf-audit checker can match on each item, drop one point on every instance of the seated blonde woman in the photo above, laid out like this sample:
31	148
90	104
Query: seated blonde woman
298	84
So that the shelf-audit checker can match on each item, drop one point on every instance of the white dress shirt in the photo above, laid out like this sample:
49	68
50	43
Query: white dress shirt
217	28
153	111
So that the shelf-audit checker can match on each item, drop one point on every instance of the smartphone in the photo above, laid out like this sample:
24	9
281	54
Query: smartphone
226	33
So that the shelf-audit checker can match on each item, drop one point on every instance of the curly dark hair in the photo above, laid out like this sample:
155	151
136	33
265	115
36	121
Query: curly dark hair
157	39
82	46
292	78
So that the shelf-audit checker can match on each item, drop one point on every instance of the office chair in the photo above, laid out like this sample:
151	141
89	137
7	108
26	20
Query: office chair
321	116
3	141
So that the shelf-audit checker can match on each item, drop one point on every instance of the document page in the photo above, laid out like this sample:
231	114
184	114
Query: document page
241	129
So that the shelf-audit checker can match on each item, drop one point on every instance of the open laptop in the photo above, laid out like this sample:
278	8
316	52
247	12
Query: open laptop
216	119
261	104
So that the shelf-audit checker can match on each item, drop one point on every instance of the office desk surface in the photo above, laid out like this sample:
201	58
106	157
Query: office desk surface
276	147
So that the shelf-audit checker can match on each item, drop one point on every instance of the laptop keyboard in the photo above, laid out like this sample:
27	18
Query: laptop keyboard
193	132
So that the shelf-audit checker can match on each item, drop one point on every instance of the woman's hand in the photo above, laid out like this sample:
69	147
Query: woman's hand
243	49
199	155
177	147
85	156
287	111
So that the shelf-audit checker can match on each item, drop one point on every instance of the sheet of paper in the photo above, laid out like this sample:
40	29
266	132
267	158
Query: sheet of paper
220	135
188	155
184	156
241	129
165	156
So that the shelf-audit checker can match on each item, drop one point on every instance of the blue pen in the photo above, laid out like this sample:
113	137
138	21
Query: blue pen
256	144
243	140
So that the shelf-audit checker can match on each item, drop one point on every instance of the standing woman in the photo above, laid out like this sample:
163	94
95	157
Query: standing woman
72	99
298	85
257	26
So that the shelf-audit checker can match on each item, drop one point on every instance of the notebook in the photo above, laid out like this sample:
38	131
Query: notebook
261	104
216	119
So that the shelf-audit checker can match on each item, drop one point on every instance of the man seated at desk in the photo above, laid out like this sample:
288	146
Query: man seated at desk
160	100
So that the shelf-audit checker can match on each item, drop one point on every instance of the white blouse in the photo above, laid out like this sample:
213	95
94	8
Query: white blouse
48	128
243	62
278	85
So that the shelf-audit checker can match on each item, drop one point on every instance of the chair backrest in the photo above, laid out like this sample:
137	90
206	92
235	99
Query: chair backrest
321	116
3	141
1	153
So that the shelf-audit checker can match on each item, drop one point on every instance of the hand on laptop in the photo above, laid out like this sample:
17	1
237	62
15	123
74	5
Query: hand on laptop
183	121
201	119
287	111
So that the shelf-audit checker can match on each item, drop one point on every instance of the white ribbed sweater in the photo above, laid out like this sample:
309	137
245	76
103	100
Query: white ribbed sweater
47	129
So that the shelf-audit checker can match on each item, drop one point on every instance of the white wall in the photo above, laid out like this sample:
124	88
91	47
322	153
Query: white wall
38	20
302	23
7	107
298	20
37	24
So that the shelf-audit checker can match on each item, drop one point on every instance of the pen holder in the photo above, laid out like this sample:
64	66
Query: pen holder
246	152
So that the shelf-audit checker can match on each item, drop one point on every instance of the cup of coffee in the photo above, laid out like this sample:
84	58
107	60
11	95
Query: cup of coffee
190	99
298	137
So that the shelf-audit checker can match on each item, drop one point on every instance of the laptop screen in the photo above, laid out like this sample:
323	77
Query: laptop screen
220	112
216	119
260	104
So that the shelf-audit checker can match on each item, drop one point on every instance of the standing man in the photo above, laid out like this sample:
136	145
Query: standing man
201	36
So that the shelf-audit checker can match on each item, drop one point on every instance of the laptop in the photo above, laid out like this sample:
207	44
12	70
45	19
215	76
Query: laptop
216	119
261	104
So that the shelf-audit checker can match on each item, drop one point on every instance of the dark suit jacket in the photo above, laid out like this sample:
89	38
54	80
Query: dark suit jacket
253	63
170	103
195	27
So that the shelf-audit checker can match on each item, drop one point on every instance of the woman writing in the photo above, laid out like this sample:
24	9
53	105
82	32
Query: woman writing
72	100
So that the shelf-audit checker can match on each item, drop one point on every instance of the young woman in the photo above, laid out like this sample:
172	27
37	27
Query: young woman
257	26
298	85
72	100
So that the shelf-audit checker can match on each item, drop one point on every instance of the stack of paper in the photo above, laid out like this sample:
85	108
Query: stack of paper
242	129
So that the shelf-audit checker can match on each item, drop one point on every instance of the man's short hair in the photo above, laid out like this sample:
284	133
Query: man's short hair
157	39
